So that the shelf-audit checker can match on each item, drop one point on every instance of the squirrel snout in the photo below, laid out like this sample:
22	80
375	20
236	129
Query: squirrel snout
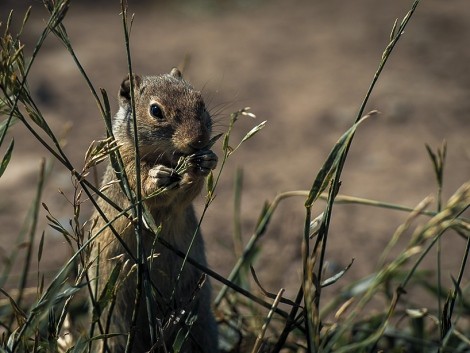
192	135
197	139
191	144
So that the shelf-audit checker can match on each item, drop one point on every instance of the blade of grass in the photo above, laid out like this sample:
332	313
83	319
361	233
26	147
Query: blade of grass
259	339
6	158
438	161
237	233
143	283
250	247
33	229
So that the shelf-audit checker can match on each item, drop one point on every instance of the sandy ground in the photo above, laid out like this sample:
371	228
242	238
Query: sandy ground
304	67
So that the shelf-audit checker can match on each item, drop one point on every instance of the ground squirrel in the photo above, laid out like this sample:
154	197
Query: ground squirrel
172	122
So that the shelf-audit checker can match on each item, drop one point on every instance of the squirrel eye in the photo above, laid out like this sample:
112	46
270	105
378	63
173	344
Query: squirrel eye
156	111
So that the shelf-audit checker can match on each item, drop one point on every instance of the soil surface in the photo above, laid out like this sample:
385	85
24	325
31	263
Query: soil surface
305	68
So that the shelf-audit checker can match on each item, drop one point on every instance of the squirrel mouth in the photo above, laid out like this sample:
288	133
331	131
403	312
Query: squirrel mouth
171	160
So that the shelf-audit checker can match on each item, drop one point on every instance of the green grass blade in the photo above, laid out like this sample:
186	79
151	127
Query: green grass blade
6	158
326	172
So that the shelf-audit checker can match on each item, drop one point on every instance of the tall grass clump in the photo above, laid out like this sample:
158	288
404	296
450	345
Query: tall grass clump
250	320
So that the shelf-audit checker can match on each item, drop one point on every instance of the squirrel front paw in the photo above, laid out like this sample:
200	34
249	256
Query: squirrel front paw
203	162
162	176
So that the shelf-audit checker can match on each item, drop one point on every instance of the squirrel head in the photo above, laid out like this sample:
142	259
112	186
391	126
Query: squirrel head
172	119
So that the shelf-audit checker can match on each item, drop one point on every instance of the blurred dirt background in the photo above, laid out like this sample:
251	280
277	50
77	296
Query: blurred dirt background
304	67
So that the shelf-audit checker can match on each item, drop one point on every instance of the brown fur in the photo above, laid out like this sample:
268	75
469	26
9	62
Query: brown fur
182	129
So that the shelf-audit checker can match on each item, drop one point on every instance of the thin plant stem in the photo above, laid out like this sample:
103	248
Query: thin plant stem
259	339
137	210
237	228
250	246
32	231
221	278
306	285
459	277
396	35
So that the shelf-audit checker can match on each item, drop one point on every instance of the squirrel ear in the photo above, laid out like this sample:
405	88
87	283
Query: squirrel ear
125	90
175	72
